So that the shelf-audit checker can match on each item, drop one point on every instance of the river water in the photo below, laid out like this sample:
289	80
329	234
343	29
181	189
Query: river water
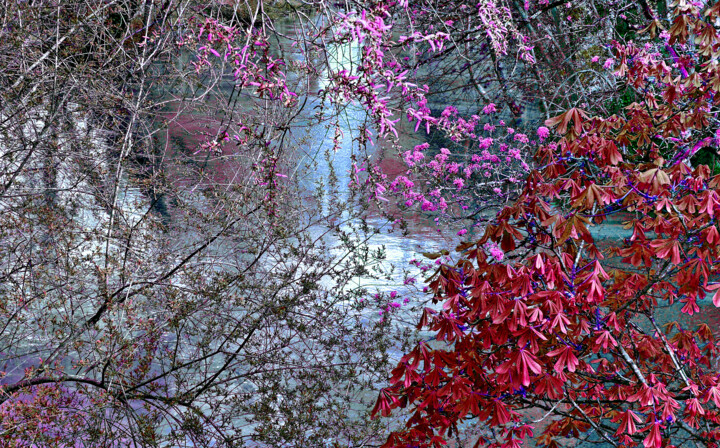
324	169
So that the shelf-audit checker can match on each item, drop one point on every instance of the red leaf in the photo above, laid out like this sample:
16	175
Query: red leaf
382	405
654	437
522	363
627	423
566	359
669	248
713	393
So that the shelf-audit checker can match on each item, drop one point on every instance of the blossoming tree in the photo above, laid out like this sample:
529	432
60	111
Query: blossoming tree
166	277
599	340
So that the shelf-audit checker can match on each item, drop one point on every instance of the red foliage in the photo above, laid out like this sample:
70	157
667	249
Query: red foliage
555	326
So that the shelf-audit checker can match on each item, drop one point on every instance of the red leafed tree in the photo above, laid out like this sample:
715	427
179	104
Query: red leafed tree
603	338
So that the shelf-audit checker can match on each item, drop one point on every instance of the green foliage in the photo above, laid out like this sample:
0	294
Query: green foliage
617	103
707	156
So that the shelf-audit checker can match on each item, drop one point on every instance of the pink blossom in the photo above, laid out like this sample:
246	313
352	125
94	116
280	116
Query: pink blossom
449	111
462	232
409	158
595	58
522	138
428	206
405	181
489	109
497	253
379	190
543	133
609	63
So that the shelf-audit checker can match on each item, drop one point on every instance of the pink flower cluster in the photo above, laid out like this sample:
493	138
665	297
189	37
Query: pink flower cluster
496	252
450	183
